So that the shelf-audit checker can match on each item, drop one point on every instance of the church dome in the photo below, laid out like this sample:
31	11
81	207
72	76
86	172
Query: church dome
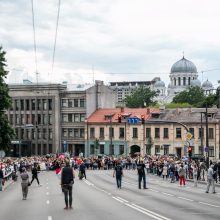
196	82
159	84
183	66
207	84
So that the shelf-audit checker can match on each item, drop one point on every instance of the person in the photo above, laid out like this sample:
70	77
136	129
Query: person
195	175
118	173
35	174
141	174
165	171
210	179
172	173
82	170
24	182
67	180
1	178
182	175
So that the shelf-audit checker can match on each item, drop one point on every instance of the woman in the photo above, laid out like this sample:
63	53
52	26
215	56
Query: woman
195	175
24	183
165	171
182	175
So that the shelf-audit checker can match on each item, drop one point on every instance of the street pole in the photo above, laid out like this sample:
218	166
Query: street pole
202	135
125	140
111	132
207	136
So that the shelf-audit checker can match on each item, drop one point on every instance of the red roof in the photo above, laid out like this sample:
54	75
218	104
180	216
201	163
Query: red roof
102	115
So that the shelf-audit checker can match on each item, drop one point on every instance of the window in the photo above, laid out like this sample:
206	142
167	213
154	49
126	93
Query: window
33	121
33	149
201	150
45	134
201	132
50	134
174	81
70	117
82	117
76	103
148	150
135	133
44	119
11	119
22	133
38	104
92	149
38	119
70	103
22	119
166	150
92	132
16	133
178	133
17	120
33	134
111	149
165	133
157	149
27	105
101	132
71	132
64	103
50	119
33	104
184	81
121	149
211	133
28	119
39	149
76	117
44	149
16	105
22	105
179	81
65	132
39	134
50	105
82	103
121	132
191	130
44	104
82	132
211	151
148	132
102	149
189	81
111	132
76	132
50	148
157	132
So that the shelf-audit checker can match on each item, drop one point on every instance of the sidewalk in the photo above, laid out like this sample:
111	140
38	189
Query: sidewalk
203	182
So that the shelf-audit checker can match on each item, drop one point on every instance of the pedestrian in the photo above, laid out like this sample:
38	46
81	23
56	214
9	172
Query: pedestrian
1	178
24	183
182	175
165	171
67	181
210	179
82	170
35	174
195	175
118	173
141	174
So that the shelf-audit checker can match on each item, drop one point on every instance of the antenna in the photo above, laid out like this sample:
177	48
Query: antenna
183	54
93	75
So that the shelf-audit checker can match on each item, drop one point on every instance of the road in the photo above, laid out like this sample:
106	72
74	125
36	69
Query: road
98	198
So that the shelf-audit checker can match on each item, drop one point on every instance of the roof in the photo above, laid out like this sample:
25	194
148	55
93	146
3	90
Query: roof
184	66
102	115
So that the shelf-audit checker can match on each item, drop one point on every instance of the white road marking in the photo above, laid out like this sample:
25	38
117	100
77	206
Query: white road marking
49	217
47	193
179	197
154	190
48	202
47	187
122	199
117	199
167	194
204	203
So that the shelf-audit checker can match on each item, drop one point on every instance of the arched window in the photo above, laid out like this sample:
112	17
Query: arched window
179	81
184	81
189	81
174	81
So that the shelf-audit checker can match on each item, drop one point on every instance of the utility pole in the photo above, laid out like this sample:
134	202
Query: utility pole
202	135
207	135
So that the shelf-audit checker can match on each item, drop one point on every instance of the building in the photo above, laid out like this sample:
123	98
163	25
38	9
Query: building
104	134
50	118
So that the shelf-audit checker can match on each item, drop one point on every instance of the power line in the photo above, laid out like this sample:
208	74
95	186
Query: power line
55	40
35	48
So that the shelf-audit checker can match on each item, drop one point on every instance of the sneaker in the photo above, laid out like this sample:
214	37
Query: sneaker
213	192
65	208
206	191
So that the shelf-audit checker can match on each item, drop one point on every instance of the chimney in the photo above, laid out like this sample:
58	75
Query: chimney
148	111
122	109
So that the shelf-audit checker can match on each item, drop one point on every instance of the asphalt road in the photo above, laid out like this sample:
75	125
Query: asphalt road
98	198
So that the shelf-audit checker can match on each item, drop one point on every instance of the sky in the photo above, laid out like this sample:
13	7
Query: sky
134	39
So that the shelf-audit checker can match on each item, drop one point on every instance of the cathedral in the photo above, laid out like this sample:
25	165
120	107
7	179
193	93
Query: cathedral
182	75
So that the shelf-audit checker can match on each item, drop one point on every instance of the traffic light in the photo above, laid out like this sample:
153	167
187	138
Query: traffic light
119	118
142	119
190	152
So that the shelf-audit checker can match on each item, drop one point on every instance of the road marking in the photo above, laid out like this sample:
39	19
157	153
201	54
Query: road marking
154	190
185	199
204	203
47	193
167	194
49	217
122	199
88	183
48	202
47	187
117	199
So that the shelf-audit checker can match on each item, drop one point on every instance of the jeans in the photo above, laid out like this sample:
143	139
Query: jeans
24	187
140	177
35	177
195	178
68	191
118	181
0	184
209	183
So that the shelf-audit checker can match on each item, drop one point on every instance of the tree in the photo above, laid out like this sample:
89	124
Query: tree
6	131
194	95
142	97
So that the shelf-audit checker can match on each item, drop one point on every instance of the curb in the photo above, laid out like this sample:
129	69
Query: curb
203	182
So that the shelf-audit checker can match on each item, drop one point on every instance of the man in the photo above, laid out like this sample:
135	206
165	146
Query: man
24	183
118	173
35	174
82	170
1	178
67	180
182	175
141	174
210	179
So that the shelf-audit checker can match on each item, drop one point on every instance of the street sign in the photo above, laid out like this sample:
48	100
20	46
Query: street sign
2	153
206	149
133	120
189	136
15	142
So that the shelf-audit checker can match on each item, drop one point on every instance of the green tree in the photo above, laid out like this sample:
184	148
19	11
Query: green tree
6	131
140	98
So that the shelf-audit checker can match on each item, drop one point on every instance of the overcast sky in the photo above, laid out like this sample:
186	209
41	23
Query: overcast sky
110	36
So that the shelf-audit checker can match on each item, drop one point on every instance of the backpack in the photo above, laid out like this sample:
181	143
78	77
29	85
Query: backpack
118	170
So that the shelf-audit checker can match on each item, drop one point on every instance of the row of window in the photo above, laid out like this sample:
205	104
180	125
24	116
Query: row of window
32	104
157	133
73	132
73	117
32	134
69	103
42	149
100	149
